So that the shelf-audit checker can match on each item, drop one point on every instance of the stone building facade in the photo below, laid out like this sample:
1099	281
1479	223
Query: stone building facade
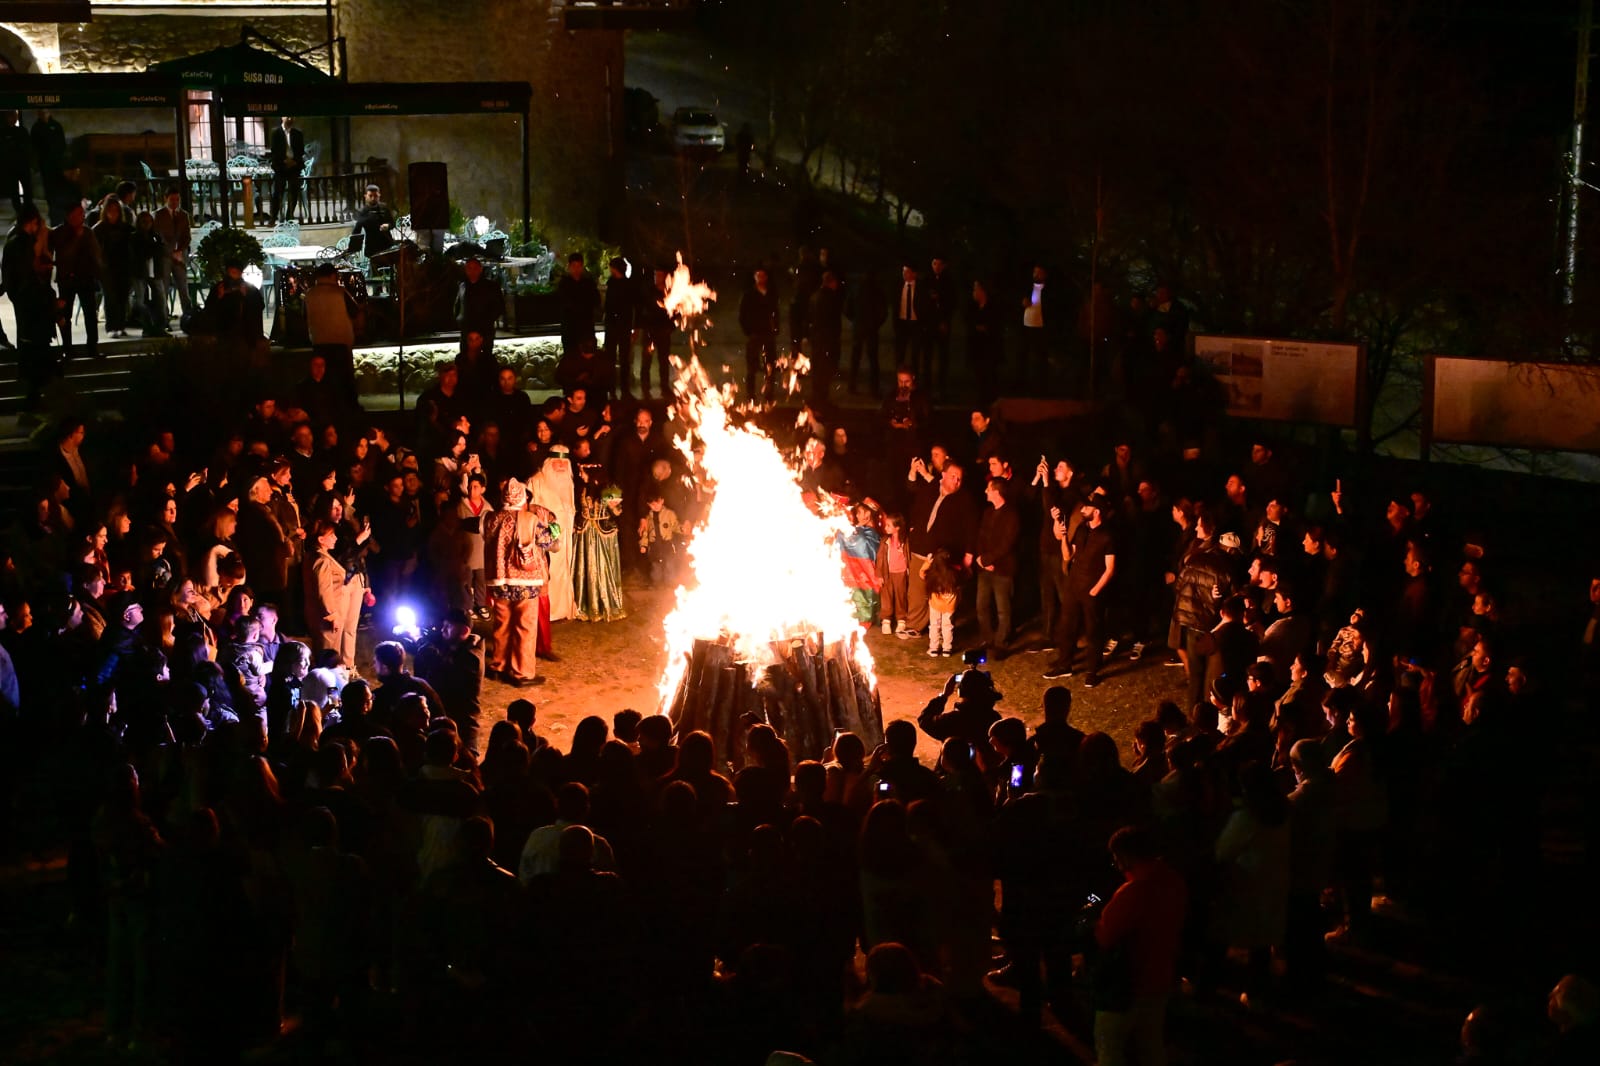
575	143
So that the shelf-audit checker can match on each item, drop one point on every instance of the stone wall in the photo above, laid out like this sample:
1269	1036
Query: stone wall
116	42
574	179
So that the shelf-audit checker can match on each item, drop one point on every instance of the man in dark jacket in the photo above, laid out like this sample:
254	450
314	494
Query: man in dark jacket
942	517
655	321
618	314
970	718
16	176
1207	578
50	156
579	297
996	561
758	317
479	305
374	223
287	152
32	300
77	255
827	334
941	315
867	308
452	662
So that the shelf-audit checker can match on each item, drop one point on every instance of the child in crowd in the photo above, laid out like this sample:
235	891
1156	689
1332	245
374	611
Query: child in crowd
325	683
658	540
860	551
894	579
939	578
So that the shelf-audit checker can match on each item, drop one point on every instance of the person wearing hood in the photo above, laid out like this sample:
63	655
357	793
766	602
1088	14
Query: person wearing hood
552	488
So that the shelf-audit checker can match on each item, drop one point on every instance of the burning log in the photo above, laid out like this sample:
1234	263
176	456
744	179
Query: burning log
808	693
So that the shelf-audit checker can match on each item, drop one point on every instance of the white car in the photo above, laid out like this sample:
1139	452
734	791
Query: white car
697	127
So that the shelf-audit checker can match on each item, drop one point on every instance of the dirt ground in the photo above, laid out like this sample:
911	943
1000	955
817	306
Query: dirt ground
605	667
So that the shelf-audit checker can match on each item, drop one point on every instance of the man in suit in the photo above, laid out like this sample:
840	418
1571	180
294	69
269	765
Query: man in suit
287	152
172	223
1039	326
910	320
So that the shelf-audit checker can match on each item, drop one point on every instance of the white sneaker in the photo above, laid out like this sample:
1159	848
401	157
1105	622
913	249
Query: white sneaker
934	653
1138	650
887	627
1110	648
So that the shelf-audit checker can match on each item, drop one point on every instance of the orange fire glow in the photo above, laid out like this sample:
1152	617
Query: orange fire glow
765	570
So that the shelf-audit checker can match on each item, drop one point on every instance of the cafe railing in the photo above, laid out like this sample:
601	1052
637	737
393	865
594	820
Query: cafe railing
325	199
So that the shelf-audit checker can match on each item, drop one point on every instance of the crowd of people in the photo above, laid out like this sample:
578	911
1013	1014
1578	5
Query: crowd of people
249	804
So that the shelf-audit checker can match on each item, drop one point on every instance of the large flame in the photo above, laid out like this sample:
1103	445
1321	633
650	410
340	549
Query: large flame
766	570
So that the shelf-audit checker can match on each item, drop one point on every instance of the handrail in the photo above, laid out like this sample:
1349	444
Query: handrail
325	199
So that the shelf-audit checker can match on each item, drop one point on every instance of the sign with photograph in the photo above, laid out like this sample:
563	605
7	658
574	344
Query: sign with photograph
1286	380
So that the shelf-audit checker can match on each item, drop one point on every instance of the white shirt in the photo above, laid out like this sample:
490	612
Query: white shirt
1033	314
908	301
74	462
542	853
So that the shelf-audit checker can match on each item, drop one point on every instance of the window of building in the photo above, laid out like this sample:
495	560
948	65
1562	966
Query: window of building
243	134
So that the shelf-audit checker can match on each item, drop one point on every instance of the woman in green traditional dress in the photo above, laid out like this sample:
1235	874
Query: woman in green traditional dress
597	559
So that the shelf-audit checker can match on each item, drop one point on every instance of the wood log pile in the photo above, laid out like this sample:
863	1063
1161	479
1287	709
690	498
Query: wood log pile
811	690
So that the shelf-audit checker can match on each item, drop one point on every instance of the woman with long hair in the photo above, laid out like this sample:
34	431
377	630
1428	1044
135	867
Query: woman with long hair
115	236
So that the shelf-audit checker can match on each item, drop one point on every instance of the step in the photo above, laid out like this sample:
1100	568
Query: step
13	404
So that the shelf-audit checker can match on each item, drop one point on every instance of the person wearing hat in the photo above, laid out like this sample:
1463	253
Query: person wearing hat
235	308
1091	557
515	540
120	642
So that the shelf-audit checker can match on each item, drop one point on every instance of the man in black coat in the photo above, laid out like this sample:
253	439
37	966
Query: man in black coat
16	175
287	154
579	298
758	317
656	322
374	223
50	156
452	662
867	308
942	517
827	334
996	562
479	305
942	298
619	308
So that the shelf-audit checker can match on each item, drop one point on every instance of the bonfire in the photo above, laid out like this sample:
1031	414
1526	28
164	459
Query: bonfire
763	629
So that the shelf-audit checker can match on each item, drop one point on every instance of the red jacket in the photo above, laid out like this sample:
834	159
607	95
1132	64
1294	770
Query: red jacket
1146	914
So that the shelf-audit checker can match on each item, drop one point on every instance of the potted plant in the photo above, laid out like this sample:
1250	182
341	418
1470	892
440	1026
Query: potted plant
221	245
